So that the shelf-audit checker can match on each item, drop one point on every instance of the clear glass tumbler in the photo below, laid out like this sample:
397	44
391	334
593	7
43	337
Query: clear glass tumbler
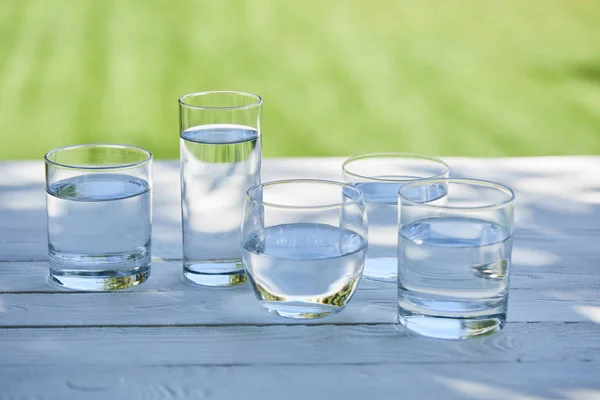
220	145
454	259
303	245
99	208
379	176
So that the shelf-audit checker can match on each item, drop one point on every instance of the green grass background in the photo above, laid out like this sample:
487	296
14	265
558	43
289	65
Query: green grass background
338	77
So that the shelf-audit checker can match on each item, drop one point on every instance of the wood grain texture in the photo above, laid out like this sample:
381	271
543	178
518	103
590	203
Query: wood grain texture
23	277
452	381
292	345
166	299
370	305
169	340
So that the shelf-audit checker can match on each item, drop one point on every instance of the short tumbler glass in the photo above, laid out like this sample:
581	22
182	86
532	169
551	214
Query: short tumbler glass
99	216
379	176
454	259
220	153
303	245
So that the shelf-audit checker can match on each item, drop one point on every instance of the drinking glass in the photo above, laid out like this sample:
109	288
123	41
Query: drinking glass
303	245
454	259
379	176
220	144
99	216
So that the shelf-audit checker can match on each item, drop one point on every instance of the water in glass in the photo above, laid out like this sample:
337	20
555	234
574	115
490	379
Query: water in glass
219	164
99	223
453	276
304	270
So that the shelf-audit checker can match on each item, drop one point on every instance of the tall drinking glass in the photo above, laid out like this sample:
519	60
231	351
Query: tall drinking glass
220	144
454	259
379	176
303	245
99	216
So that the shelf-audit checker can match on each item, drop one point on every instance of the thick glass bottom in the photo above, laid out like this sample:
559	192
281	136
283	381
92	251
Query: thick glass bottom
452	328
299	309
219	274
451	317
99	280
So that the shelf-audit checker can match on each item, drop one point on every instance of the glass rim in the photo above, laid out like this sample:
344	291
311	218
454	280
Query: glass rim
393	155
358	200
258	100
465	181
147	160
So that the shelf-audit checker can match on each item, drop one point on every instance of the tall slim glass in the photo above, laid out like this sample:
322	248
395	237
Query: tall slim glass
220	146
379	176
99	216
303	245
454	259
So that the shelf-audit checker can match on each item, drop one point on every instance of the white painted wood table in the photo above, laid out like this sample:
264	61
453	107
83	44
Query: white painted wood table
169	340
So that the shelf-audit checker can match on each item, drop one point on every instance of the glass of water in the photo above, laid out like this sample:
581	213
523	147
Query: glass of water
99	216
454	259
220	153
303	245
379	176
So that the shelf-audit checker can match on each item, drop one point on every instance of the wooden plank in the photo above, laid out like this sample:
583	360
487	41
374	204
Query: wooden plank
292	345
447	381
555	212
22	277
217	351
239	307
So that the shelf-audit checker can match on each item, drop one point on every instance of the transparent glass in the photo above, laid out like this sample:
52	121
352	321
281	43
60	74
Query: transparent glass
220	153
379	176
99	209
454	259
303	245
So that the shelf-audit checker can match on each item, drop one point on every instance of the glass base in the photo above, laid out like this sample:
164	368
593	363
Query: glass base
99	280
384	269
225	273
451	328
299	309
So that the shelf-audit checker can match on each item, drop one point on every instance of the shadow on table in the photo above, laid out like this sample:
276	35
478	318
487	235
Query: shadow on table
559	235
23	235
557	226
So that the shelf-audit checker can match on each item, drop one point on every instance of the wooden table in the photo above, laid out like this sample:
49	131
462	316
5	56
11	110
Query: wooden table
169	340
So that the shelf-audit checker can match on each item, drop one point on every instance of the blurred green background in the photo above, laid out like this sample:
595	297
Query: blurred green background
338	77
